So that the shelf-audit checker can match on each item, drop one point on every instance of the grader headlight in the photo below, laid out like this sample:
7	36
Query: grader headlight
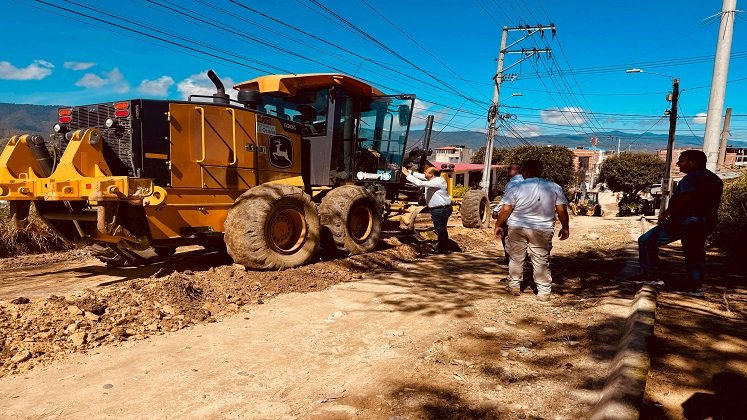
61	128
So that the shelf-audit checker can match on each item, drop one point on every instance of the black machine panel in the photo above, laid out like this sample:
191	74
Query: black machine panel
150	128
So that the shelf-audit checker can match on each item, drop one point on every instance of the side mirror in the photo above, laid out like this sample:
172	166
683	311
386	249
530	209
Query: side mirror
403	113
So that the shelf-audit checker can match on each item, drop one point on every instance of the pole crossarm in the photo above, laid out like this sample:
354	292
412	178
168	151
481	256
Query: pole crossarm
531	32
528	53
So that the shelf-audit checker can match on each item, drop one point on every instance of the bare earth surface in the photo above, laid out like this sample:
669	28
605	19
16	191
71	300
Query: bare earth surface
398	333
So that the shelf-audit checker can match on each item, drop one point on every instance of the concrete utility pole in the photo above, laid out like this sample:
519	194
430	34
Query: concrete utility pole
492	116
724	138
666	182
593	165
718	84
493	111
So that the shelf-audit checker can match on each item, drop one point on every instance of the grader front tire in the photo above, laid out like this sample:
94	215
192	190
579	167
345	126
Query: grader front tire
271	227
475	209
353	218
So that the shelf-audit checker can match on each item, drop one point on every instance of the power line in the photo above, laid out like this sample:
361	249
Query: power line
395	53
149	35
636	139
420	45
324	41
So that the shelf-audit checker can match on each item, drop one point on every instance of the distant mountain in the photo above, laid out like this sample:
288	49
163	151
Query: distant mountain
39	119
608	141
26	119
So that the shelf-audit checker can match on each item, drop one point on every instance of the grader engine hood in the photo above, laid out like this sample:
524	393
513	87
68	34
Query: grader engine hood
216	147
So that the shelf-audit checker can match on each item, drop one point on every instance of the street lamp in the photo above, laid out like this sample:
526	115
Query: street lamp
666	182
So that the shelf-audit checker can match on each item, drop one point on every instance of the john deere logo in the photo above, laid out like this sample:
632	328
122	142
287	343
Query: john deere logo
281	152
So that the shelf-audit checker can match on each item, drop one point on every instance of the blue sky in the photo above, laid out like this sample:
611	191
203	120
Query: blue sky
443	51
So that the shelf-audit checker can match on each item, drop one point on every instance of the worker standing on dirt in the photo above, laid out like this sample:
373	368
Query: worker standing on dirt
438	201
530	210
514	178
691	216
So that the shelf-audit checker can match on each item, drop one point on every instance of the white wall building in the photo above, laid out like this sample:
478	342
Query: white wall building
452	154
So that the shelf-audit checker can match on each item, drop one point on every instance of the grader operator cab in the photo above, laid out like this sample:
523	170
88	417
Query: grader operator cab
296	158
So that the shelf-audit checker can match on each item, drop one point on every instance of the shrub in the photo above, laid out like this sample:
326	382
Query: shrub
459	191
732	215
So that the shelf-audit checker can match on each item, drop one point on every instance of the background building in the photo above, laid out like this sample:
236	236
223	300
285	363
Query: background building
452	154
587	164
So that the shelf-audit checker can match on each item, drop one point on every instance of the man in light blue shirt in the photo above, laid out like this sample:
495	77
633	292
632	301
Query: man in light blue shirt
530	210
515	177
438	201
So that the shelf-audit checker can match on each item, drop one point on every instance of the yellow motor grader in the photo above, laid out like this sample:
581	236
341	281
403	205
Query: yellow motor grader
295	161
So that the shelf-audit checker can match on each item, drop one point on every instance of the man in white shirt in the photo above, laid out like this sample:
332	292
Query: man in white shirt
438	201
514	178
530	210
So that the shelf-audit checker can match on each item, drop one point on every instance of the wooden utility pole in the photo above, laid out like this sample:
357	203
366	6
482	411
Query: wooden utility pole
724	137
666	182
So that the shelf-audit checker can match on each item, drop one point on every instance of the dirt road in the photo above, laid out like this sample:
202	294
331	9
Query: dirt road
398	333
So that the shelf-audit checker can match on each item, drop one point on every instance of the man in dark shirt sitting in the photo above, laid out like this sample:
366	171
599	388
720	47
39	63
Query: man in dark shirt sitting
691	216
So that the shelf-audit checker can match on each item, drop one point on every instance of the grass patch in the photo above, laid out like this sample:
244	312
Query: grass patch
30	237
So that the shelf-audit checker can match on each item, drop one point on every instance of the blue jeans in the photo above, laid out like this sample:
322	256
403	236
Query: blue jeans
440	217
692	231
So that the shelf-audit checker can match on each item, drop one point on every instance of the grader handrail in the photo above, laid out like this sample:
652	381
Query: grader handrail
233	126
202	133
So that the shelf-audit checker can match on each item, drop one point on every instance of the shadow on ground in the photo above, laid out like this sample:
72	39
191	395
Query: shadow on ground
700	344
516	365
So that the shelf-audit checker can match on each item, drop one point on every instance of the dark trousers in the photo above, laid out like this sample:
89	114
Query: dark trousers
692	232
440	217
503	241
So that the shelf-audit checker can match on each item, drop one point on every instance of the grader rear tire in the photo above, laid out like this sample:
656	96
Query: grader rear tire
475	209
353	218
272	226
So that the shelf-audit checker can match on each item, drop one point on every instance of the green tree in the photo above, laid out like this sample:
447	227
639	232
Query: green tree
556	160
631	173
497	158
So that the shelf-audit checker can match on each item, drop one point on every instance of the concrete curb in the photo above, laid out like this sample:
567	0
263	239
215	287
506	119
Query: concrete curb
622	395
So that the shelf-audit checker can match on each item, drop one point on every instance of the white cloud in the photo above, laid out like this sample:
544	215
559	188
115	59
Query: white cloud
700	118
199	84
37	70
78	65
528	130
571	116
113	80
158	87
422	110
90	81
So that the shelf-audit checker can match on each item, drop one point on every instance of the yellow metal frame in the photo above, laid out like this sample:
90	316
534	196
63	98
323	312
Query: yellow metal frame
82	174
